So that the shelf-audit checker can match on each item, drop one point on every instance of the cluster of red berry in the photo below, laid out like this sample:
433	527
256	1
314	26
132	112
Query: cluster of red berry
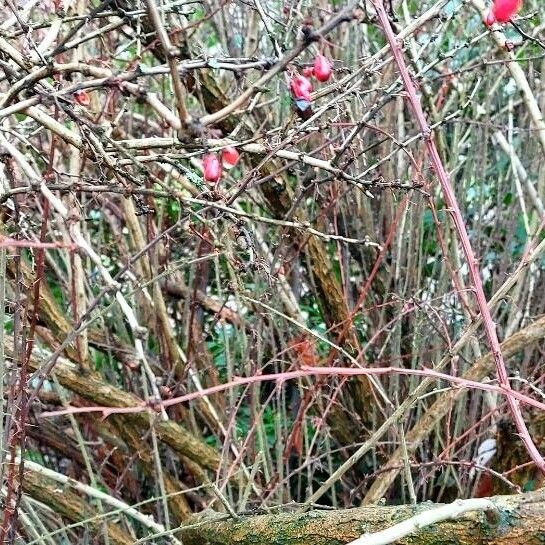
502	11
211	166
301	87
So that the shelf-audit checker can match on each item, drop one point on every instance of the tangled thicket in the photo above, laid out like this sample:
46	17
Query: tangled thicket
127	280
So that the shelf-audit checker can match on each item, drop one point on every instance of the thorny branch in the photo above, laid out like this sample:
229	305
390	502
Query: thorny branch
298	329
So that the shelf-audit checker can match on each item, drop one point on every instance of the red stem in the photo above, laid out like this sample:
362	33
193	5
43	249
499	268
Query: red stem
454	210
303	371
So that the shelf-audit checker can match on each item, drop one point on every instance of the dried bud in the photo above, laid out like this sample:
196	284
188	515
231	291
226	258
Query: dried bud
509	45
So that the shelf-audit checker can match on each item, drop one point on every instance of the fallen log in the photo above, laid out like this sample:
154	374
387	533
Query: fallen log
517	520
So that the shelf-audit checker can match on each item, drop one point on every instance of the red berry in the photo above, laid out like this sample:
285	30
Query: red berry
81	97
504	10
301	88
229	156
211	168
322	68
308	71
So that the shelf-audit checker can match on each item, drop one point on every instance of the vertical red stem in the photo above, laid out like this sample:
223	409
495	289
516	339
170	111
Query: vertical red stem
456	214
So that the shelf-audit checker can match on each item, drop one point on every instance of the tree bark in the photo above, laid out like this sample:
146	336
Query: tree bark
520	520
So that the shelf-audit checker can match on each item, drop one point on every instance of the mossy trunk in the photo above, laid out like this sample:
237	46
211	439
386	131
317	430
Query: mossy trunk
520	520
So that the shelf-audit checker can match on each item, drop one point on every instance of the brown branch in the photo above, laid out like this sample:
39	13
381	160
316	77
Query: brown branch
96	391
71	507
